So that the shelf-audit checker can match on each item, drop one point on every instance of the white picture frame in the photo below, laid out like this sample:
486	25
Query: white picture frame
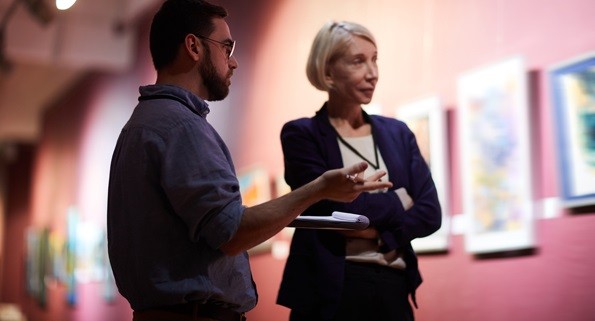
495	157
427	119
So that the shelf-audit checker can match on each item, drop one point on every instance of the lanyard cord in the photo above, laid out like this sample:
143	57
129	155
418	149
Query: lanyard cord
376	165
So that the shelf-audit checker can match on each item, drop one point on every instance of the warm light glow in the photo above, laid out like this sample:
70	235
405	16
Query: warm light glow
64	4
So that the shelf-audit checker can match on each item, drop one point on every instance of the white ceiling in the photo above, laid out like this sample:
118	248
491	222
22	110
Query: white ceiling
46	59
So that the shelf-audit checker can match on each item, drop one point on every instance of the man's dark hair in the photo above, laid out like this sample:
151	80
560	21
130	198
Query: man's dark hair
176	19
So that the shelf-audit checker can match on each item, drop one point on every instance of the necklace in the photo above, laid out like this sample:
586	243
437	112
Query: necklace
375	165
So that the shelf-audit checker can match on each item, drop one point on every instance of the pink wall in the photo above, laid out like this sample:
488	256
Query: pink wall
423	47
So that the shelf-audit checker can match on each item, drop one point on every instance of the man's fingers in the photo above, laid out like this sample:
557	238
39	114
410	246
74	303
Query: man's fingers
376	176
372	185
352	178
357	168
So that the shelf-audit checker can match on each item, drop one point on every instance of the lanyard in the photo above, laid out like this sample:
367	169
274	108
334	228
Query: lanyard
375	165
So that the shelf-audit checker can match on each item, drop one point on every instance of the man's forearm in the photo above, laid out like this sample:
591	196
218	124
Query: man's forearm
263	221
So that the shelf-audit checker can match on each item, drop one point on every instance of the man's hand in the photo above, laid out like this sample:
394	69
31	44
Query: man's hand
260	222
345	185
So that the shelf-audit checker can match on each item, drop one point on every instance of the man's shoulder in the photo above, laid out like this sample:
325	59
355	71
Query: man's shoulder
165	120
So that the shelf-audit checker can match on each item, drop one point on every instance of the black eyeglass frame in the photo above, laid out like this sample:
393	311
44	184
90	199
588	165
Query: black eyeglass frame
231	44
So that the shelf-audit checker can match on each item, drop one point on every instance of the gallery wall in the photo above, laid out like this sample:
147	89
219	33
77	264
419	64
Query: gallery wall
424	47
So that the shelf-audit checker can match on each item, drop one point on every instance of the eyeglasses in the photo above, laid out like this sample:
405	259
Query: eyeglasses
230	45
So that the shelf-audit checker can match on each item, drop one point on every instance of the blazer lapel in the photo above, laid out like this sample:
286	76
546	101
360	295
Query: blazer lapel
328	138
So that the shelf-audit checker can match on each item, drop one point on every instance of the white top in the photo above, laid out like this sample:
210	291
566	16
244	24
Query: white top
366	250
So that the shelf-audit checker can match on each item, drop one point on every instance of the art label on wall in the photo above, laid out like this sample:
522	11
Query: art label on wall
426	119
573	92
495	157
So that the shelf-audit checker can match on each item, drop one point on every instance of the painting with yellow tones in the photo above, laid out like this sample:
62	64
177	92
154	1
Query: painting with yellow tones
426	119
495	157
255	187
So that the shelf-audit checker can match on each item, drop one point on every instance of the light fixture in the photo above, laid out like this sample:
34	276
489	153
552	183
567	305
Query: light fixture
64	4
39	9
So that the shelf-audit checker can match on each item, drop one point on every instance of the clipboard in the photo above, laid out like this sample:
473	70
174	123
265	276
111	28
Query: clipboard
335	221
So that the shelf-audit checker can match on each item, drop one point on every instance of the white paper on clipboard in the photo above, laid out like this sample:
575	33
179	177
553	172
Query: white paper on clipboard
337	220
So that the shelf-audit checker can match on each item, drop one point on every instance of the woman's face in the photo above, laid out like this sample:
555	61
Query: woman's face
354	75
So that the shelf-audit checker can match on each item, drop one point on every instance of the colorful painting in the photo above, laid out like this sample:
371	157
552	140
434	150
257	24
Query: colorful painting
494	141
281	187
426	119
38	265
77	257
573	92
255	187
72	223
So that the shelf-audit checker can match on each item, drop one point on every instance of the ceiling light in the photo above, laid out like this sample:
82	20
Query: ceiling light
64	4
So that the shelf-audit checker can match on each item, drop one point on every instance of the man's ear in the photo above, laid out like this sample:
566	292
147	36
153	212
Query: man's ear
191	45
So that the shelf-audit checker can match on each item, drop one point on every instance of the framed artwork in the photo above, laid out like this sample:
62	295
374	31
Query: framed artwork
282	241
573	95
426	119
495	157
72	226
255	187
37	265
281	187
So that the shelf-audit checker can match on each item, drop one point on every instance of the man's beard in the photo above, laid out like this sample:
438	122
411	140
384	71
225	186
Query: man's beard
216	86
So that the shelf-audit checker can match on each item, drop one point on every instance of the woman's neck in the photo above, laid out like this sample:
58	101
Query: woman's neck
348	120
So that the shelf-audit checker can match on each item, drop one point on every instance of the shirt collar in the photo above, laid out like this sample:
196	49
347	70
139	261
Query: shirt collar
190	100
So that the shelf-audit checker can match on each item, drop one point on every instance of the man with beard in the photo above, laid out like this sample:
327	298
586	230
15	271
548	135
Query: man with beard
177	229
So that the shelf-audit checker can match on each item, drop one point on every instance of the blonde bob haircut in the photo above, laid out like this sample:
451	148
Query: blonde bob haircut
331	42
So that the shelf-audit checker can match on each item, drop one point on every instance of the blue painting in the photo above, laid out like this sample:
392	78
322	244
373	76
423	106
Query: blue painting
573	93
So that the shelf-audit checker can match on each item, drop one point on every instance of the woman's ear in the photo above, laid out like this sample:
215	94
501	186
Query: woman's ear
328	80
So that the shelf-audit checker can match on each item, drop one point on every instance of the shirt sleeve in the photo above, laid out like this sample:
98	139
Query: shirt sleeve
200	182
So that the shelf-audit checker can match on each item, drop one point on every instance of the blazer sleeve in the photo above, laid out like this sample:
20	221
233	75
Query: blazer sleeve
412	173
307	154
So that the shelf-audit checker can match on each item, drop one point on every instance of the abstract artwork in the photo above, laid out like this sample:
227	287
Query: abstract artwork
255	187
37	265
573	93
495	157
426	119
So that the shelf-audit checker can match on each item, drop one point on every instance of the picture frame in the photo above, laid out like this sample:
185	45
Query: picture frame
37	264
572	85
255	187
427	120
495	157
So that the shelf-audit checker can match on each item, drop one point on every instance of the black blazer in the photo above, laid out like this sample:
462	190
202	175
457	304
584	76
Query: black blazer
313	275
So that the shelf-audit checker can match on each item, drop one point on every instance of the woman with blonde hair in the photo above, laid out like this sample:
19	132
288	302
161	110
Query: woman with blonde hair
355	275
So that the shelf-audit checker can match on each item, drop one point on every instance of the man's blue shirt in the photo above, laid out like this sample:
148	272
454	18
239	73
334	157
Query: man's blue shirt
173	200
